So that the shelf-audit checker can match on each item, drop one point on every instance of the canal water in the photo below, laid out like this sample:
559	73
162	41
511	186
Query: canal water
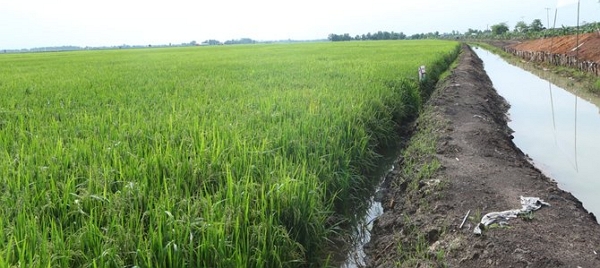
353	253
559	130
362	235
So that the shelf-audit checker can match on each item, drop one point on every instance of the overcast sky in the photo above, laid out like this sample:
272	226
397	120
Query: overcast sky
37	23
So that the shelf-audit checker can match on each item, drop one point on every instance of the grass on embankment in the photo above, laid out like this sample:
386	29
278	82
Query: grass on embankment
418	167
196	157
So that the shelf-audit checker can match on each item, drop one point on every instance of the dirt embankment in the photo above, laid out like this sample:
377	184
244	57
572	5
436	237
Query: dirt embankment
576	52
481	171
565	45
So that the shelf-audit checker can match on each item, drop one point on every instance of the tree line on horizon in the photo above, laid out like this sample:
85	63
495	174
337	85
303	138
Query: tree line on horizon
521	30
383	35
521	27
533	30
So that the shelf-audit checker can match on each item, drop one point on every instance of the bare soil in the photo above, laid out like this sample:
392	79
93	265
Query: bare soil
482	171
588	45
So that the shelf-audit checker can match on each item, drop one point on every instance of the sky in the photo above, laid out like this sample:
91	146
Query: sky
41	23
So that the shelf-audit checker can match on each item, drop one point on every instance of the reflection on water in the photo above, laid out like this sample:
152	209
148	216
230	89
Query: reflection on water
356	255
557	129
568	84
353	254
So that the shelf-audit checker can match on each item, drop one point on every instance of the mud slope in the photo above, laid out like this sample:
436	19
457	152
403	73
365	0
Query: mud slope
565	45
481	171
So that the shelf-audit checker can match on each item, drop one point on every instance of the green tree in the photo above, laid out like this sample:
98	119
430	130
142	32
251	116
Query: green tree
499	29
334	37
521	27
472	32
536	25
211	42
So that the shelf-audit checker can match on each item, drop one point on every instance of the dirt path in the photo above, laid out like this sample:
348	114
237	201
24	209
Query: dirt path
481	171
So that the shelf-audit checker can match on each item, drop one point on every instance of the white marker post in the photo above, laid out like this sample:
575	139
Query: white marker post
422	72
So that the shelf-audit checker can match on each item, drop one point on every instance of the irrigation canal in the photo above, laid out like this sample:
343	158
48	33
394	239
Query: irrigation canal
558	129
352	253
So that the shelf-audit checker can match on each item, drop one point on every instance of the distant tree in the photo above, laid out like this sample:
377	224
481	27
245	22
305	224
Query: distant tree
521	27
380	35
377	35
418	36
339	37
499	29
211	42
397	36
193	43
472	32
247	41
387	36
536	25
240	41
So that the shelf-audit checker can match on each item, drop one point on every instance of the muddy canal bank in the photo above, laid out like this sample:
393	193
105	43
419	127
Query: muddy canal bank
473	166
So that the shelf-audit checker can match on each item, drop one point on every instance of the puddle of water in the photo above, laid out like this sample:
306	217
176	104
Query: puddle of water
348	252
557	129
362	234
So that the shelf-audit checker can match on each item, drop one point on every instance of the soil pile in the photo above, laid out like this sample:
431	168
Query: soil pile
566	45
481	171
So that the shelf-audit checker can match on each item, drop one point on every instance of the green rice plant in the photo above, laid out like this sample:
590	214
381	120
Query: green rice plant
229	156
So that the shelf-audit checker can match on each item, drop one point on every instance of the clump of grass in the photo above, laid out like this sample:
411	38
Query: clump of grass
527	216
415	251
596	87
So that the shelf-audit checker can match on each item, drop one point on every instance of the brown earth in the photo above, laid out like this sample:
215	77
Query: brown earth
588	45
481	171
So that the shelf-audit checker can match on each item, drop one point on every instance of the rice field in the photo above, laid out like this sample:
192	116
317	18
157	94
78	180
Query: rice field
228	156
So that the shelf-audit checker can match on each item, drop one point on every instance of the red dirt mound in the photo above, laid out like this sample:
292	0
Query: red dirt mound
589	46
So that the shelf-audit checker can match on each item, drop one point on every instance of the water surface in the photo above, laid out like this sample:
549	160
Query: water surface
557	129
